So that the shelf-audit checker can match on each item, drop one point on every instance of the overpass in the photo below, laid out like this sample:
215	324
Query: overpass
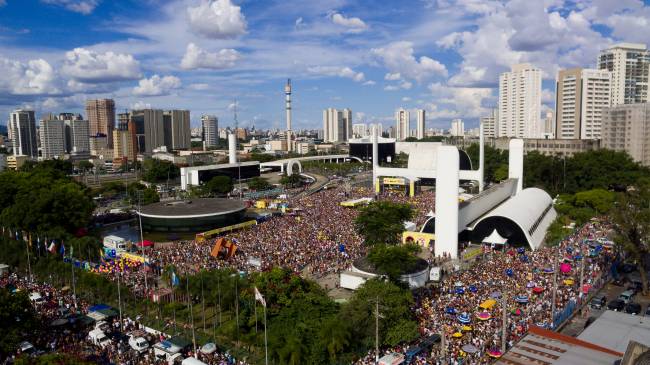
288	164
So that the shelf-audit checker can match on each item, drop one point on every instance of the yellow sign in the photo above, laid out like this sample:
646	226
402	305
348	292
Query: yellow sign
201	237
132	257
471	253
394	181
422	239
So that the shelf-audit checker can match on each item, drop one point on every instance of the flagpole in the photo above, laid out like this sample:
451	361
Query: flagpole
74	286
119	299
29	264
266	346
187	280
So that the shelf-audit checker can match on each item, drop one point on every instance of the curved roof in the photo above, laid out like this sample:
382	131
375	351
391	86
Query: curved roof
195	208
424	157
531	210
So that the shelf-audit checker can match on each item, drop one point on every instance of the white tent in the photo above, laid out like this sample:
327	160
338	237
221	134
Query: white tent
495	238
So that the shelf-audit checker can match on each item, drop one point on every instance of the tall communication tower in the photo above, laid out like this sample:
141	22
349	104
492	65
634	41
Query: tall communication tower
287	94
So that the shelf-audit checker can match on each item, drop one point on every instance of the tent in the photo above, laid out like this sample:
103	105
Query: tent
145	243
495	239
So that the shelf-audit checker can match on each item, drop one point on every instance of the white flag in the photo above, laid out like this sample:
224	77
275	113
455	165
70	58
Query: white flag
259	297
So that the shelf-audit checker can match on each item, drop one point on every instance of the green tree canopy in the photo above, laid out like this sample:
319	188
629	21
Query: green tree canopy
259	183
157	170
394	261
290	181
383	222
219	185
18	319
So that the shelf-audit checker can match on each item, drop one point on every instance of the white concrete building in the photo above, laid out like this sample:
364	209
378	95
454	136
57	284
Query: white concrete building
629	64
360	130
627	128
549	125
457	128
421	124
490	124
402	124
52	133
210	127
76	139
520	102
337	125
581	95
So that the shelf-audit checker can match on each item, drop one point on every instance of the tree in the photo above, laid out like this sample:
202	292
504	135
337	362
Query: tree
17	318
52	359
394	261
259	183
500	174
631	218
85	165
140	194
290	181
382	222
219	185
157	170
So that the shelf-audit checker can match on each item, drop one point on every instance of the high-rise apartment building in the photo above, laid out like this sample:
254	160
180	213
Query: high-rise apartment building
457	128
23	133
581	95
402	124
210	127
124	148
101	118
177	129
359	130
549	125
337	125
627	128
76	138
489	123
52	133
149	129
421	124
520	102
629	64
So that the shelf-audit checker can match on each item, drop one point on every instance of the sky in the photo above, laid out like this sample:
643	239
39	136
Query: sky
444	56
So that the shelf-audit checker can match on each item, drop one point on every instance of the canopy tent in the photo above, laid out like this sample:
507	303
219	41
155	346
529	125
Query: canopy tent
495	238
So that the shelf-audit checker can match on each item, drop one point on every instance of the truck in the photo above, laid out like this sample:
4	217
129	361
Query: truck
98	338
192	361
138	342
167	351
115	243
435	274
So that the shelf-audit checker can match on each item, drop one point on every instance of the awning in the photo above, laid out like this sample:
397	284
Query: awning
145	243
495	238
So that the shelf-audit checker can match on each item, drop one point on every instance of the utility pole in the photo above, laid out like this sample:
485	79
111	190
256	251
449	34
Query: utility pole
555	268
443	344
236	138
74	285
504	327
29	264
377	330
119	300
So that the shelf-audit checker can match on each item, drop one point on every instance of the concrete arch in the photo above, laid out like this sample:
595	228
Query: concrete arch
356	158
290	167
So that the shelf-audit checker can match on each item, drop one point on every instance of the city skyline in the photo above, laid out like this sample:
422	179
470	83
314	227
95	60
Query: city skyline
442	56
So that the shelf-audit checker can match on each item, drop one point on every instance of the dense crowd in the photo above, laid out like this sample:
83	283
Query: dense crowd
525	279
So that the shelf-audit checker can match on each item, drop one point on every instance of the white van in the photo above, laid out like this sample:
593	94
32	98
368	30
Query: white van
192	361
115	243
166	351
98	338
138	343
626	296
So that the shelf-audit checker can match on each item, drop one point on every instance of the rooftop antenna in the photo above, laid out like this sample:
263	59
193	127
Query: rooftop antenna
237	137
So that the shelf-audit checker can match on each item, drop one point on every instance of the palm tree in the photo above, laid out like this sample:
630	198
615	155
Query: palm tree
336	336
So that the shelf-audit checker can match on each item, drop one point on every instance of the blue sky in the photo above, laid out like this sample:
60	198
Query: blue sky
373	57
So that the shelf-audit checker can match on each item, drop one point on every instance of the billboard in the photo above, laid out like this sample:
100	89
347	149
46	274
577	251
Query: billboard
421	238
394	181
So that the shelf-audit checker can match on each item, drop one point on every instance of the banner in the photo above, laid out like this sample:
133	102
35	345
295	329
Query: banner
394	181
471	253
420	238
133	257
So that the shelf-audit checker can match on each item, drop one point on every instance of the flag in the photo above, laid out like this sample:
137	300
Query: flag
259	297
62	249
71	250
175	280
52	247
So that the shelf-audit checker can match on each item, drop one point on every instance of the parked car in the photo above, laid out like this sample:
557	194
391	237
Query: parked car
620	281
598	302
633	308
616	305
628	268
626	296
647	311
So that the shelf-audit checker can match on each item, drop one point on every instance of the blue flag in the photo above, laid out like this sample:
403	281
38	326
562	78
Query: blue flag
175	280
62	249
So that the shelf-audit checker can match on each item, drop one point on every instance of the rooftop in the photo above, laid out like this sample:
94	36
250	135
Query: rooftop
192	208
614	330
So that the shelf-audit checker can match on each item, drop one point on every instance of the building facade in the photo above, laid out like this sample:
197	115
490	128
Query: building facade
52	133
101	118
627	128
457	128
490	124
210	130
23	133
77	141
421	124
402	124
337	125
520	102
177	129
549	147
581	96
629	64
124	149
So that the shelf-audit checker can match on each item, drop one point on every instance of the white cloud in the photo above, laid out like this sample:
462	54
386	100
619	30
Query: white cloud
299	23
157	85
457	102
369	83
217	19
548	96
353	24
406	99
78	6
345	72
398	57
392	76
195	57
199	86
3	2
35	77
405	85
89	66
140	105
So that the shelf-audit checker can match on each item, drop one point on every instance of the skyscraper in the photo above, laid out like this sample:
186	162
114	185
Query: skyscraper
421	124
520	102
101	118
124	149
52	133
359	130
176	126
490	124
627	128
581	96
337	125
149	129
77	142
629	64
457	128
210	125
402	124
23	133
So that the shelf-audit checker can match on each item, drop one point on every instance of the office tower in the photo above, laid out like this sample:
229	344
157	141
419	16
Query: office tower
520	102
77	141
629	64
581	95
402	124
210	126
549	125
124	148
391	132
23	133
149	129
421	124
337	125
490	124
359	130
101	118
176	126
626	127
52	133
457	128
